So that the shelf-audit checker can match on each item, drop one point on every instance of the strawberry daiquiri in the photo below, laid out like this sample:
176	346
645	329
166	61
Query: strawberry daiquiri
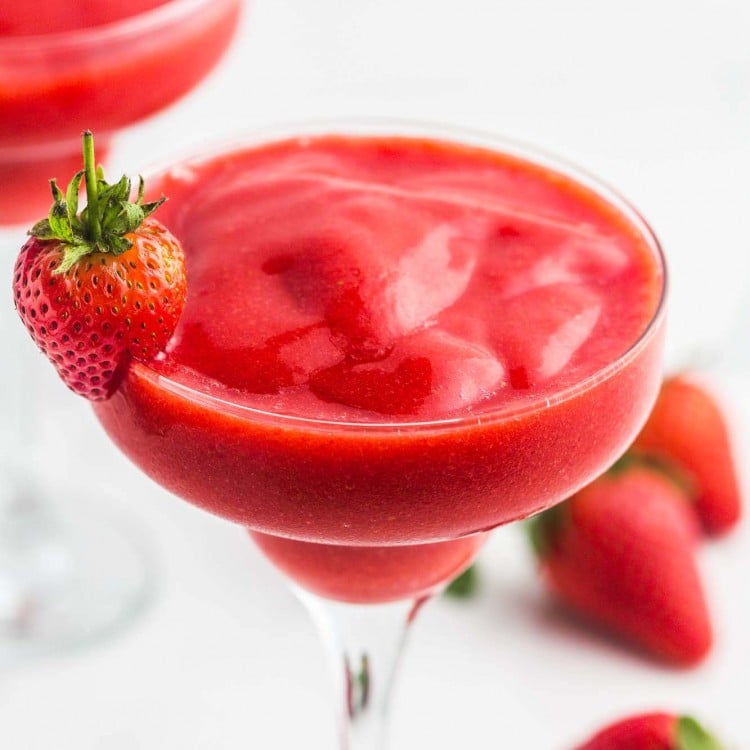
390	345
391	342
67	65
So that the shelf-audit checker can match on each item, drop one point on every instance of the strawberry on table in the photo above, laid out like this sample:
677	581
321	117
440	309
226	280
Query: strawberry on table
653	731
621	552
99	287
687	433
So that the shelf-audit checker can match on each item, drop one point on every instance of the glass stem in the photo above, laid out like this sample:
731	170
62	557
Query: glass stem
364	644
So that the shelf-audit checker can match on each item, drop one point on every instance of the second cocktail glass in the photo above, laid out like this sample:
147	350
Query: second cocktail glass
62	71
396	339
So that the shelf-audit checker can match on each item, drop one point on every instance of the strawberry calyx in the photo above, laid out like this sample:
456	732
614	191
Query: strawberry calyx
465	585
544	528
690	735
103	224
668	469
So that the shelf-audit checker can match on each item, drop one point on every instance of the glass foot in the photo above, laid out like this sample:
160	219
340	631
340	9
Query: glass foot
66	582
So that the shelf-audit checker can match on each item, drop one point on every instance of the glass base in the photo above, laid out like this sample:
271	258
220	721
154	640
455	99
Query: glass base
66	583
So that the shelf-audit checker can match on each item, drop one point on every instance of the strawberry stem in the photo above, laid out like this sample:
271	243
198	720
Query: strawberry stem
92	193
104	225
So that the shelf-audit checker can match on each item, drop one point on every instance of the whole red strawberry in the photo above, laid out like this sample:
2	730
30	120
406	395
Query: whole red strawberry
688	434
621	552
97	288
653	731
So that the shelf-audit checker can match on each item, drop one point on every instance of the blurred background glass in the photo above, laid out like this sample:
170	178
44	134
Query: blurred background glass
70	573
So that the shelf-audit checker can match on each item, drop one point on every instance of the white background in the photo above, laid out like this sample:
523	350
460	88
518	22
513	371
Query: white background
655	98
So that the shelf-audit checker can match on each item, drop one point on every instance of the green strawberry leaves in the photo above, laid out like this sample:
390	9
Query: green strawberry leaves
692	736
58	221
71	195
544	529
465	585
101	226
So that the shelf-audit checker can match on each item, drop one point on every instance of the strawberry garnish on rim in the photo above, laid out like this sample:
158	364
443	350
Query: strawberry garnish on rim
97	288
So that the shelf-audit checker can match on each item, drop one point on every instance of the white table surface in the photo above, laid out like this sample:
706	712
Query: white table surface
655	97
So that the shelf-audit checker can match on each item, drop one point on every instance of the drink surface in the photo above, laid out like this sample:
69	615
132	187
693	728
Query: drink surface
390	279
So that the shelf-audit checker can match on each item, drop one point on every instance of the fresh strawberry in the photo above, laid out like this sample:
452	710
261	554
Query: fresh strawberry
687	433
97	288
621	553
653	731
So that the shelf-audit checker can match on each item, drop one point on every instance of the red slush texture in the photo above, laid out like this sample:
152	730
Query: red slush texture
541	309
52	89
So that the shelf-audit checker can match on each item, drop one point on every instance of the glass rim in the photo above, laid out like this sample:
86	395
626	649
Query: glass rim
450	134
166	14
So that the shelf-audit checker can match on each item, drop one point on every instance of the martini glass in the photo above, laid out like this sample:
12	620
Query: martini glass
369	515
67	578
